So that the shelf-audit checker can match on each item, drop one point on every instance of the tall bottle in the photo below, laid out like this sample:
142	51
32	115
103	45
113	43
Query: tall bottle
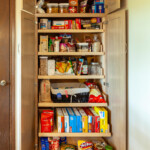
96	46
56	44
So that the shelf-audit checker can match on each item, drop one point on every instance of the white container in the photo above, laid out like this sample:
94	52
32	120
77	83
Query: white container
96	46
56	45
51	67
82	47
66	117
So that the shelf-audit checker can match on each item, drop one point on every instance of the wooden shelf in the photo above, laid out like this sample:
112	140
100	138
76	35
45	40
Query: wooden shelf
70	15
71	53
72	104
71	31
72	77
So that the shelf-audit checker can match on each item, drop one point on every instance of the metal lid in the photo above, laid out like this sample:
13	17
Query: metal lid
52	4
63	4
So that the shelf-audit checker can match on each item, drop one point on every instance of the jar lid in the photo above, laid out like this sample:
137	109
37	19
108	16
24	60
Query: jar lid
52	4
43	57
64	4
83	44
94	63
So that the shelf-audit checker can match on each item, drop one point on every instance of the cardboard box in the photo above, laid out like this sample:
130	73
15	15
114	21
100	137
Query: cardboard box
72	120
73	2
90	120
103	113
96	121
60	120
66	117
51	67
43	43
58	23
84	120
79	120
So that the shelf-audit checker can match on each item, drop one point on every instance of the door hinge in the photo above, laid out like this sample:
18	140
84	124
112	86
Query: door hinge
106	84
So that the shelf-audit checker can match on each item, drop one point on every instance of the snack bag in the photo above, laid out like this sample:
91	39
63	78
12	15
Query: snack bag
61	67
84	145
69	69
68	147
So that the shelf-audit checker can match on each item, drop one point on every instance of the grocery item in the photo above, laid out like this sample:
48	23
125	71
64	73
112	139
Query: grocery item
82	47
85	145
96	46
85	67
61	67
66	117
56	44
51	45
73	2
58	27
54	143
79	68
63	7
63	140
74	65
52	7
79	120
84	120
45	91
95	69
66	24
83	6
94	20
63	47
43	70
43	23
58	23
71	47
73	9
93	8
44	143
78	23
60	120
100	8
47	121
107	147
68	147
43	43
39	8
49	24
51	67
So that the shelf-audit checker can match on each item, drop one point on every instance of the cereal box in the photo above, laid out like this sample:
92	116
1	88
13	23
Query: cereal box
60	120
66	117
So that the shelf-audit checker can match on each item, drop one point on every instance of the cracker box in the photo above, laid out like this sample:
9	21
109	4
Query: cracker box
84	120
66	121
90	120
79	120
60	120
43	43
103	113
96	121
72	120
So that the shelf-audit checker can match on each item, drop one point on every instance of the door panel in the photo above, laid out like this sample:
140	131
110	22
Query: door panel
29	5
27	82
113	5
5	75
116	77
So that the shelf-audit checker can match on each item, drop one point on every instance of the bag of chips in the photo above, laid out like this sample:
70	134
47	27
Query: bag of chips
85	145
68	147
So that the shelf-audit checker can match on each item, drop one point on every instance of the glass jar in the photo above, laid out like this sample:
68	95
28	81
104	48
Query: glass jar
95	69
52	7
63	7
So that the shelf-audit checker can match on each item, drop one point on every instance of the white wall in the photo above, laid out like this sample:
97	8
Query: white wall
139	74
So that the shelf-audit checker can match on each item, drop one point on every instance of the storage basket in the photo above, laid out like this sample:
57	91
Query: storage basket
69	93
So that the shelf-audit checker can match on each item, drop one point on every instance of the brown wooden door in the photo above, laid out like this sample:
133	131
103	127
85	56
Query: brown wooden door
29	5
4	76
113	5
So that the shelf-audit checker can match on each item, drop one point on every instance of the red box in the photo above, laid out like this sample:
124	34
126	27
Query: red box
58	27
78	23
96	121
66	24
70	24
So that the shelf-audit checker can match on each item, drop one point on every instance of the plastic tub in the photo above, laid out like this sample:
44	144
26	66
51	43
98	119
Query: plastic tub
63	7
82	47
52	7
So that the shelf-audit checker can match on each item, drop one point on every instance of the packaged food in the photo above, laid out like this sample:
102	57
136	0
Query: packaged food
73	9
51	45
43	23
66	117
43	70
49	24
78	23
61	67
66	24
82	47
58	23
44	143
56	44
99	145
73	2
93	8
63	7
83	6
71	47
52	7
45	91
63	47
69	69
94	20
80	64
51	67
85	67
47	121
107	147
58	27
85	145
43	43
68	147
74	65
63	140
54	143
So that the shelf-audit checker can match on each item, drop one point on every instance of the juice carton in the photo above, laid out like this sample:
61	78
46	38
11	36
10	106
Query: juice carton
60	120
90	120
103	113
66	117
96	120
84	120
79	120
72	120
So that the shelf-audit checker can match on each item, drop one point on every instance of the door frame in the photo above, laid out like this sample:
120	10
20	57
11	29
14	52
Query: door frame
12	73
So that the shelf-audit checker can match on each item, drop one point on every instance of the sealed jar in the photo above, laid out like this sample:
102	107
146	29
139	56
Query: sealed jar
95	68
43	66
63	7
82	47
52	7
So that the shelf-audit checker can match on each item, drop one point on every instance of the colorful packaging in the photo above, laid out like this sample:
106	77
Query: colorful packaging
66	24
60	120
96	121
99	2
73	2
58	23
84	120
73	9
91	120
79	120
66	119
78	23
58	27
44	143
72	121
70	24
103	113
43	43
63	140
68	147
84	145
54	143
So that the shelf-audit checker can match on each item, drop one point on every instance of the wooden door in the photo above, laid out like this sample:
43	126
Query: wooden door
29	5
27	81
116	77
5	75
113	5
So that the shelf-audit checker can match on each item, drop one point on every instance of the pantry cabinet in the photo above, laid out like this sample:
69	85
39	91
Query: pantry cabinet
113	82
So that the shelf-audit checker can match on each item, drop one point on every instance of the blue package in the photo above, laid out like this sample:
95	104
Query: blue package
72	120
97	2
78	119
46	144
100	8
43	146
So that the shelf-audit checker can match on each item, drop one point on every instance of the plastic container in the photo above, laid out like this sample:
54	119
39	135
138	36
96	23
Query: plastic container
96	46
63	7
82	47
52	7
43	66
95	69
69	92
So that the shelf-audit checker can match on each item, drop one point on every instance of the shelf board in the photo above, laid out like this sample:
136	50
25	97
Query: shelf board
72	77
70	15
71	53
72	104
71	31
56	134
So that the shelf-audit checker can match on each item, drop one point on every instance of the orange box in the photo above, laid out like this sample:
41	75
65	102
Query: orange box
60	120
73	2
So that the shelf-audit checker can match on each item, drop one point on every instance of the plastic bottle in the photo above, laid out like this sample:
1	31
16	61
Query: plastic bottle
85	67
96	46
56	44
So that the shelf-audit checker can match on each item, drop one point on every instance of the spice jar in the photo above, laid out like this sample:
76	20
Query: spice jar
52	7
43	66
63	7
95	68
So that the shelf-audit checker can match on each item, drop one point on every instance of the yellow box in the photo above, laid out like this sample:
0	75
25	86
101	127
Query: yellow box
84	120
103	119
